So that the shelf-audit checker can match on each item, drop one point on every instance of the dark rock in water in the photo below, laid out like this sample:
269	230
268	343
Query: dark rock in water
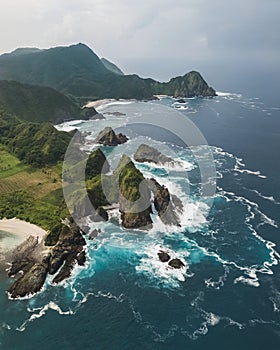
137	220
181	101
23	265
164	205
90	113
77	256
176	263
94	234
100	215
34	266
81	258
65	252
147	153
108	137
31	282
163	256
85	230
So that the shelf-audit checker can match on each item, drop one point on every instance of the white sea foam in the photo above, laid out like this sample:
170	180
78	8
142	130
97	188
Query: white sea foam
42	312
228	94
105	105
220	282
152	267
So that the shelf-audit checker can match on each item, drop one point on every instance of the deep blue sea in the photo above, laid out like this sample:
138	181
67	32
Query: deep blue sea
228	296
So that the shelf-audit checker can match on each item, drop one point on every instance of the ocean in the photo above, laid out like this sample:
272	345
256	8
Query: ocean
228	294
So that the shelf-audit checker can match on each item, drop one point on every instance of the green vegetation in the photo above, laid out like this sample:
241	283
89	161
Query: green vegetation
37	103
96	164
35	144
111	66
23	205
30	172
129	179
9	164
77	71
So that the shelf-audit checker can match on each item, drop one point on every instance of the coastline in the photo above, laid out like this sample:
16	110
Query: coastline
22	228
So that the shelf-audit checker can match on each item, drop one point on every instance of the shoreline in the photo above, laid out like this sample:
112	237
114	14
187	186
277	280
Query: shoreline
22	229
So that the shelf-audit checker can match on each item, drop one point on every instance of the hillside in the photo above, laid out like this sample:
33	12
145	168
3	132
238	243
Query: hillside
37	103
111	66
78	71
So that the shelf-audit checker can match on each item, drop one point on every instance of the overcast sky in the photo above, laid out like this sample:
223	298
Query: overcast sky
158	38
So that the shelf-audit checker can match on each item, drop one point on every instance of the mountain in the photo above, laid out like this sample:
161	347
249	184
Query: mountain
76	70
111	66
37	103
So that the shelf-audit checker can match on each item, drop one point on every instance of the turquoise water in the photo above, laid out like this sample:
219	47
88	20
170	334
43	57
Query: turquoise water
229	294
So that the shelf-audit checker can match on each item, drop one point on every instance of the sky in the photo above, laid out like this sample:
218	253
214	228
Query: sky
156	38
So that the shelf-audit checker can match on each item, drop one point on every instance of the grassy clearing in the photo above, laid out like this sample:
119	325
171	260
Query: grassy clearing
9	164
30	194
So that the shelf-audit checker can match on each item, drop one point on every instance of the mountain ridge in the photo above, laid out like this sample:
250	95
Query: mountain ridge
76	70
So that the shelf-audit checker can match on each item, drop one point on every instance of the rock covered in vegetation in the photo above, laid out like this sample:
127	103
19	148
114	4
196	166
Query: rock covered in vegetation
96	164
134	196
108	137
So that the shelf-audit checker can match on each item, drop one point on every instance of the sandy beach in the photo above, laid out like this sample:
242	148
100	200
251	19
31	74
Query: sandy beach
99	103
21	228
13	232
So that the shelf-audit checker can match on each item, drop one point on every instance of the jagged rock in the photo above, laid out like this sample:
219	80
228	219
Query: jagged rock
176	263
164	205
94	234
181	100
85	230
140	220
100	215
91	113
147	153
163	256
31	282
65	252
108	137
23	265
81	258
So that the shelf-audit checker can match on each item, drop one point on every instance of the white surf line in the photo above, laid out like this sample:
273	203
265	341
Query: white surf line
270	245
268	198
50	306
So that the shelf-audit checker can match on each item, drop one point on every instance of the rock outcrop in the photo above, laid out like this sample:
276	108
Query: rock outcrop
176	263
164	204
97	164
108	137
30	282
134	196
150	154
163	256
99	215
32	261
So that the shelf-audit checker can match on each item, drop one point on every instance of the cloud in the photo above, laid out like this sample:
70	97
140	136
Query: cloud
157	29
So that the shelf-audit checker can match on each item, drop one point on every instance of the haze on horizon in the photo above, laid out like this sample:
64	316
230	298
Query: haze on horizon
159	39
